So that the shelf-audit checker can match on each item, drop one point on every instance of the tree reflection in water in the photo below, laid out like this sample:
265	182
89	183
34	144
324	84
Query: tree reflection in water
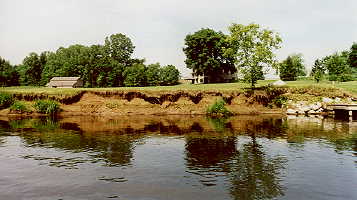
252	174
255	176
215	148
112	149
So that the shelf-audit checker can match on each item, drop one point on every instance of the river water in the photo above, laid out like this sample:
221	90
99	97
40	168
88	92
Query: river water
177	157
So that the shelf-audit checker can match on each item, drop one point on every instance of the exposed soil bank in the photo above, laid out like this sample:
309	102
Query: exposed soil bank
160	103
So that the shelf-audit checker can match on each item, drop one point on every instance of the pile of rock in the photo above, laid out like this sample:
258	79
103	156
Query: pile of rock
305	108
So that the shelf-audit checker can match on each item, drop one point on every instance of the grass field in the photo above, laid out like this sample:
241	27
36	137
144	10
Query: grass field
349	87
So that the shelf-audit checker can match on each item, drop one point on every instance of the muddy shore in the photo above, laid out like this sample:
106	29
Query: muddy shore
138	103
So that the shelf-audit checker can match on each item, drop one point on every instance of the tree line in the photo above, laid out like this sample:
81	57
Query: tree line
340	66
108	65
247	49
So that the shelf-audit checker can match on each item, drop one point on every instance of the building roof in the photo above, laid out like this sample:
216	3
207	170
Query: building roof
65	78
65	82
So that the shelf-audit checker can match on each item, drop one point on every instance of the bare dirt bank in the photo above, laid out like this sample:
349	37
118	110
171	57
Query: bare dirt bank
161	103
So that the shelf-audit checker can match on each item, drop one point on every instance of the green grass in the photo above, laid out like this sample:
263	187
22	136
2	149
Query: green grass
350	87
182	87
19	106
46	106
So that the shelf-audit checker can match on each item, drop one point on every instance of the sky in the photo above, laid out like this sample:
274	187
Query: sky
157	28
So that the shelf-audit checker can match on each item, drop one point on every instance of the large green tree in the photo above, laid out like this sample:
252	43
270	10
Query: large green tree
169	75
253	49
205	54
108	65
31	68
338	67
292	67
153	74
353	56
135	75
119	47
318	70
71	61
8	74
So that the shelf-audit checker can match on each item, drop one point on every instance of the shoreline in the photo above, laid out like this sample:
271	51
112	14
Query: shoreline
177	102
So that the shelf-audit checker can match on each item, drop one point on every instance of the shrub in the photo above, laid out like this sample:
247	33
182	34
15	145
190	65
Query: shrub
280	101
218	108
5	100
46	106
19	106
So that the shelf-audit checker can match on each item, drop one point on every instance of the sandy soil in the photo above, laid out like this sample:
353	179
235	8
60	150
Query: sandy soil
97	105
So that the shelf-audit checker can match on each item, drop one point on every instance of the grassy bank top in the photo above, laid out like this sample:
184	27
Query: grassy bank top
323	88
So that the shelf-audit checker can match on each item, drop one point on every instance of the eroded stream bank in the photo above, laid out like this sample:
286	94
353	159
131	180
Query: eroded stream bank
266	100
158	103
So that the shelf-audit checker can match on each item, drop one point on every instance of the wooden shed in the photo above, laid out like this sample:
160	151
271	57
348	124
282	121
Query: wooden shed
65	82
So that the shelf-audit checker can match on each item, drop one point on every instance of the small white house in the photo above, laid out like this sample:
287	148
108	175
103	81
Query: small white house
223	77
65	82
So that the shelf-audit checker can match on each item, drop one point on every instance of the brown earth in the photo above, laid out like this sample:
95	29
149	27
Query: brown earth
136	103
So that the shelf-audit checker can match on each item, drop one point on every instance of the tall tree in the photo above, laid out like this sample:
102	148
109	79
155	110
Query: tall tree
71	61
169	75
119	47
153	74
8	74
205	54
32	67
135	75
253	49
318	70
338	67
292	67
353	56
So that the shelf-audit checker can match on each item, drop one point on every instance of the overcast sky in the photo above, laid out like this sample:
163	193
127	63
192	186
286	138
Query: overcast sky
157	28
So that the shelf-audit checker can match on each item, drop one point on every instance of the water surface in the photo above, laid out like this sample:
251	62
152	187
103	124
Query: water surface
178	157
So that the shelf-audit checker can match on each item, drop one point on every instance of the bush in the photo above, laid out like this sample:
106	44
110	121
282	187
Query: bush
280	101
5	100
169	75
218	108
19	106
46	106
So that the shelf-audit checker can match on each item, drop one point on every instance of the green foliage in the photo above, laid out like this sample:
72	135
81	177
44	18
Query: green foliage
153	74
108	65
19	107
45	124
47	106
218	108
338	67
218	123
135	75
31	68
205	54
169	75
97	65
5	100
352	58
280	101
318	70
291	68
119	47
253	48
8	74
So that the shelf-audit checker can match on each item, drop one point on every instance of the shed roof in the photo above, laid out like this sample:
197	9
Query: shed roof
65	78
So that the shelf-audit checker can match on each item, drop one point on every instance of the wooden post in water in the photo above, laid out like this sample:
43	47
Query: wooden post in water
354	114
